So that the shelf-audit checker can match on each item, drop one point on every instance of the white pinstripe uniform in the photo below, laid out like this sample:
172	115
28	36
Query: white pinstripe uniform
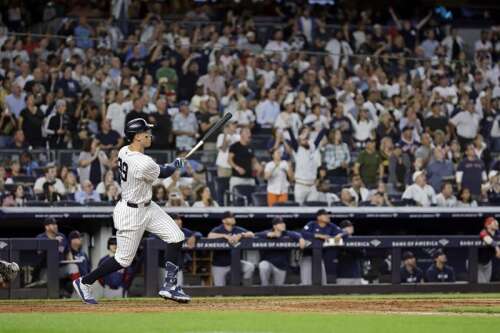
138	172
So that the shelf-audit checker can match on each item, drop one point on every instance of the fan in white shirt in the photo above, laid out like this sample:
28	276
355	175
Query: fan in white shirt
277	45
420	192
289	119
446	197
277	172
224	141
316	119
243	116
448	93
117	113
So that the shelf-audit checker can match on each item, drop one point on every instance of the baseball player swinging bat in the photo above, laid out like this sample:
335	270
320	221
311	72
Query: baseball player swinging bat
221	122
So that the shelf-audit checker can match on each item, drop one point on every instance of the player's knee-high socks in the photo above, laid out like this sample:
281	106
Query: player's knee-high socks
109	266
172	256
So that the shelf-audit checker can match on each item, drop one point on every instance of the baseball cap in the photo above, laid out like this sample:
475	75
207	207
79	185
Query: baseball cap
227	214
397	145
183	103
322	212
49	220
278	220
74	234
345	224
489	220
111	241
417	174
408	255
437	253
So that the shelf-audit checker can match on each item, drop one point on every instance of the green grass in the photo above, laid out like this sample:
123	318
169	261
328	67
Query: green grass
226	322
471	309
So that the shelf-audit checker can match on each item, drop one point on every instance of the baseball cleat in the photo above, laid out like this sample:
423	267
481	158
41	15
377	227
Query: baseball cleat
174	293
84	291
8	270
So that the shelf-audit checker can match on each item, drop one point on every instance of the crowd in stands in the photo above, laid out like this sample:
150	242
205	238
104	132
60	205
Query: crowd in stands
368	113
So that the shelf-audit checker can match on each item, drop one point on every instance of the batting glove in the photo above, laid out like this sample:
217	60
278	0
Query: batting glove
179	163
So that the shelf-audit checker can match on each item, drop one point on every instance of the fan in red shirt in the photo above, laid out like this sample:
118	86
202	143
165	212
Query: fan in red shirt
492	250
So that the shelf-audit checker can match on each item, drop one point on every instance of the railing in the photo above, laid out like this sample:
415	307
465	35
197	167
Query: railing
395	243
289	213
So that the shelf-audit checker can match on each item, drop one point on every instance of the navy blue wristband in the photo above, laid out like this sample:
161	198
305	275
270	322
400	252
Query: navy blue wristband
167	170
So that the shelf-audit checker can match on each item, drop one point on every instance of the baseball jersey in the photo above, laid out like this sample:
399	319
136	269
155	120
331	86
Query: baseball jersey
62	248
434	274
137	174
84	264
279	258
486	254
313	227
415	276
223	258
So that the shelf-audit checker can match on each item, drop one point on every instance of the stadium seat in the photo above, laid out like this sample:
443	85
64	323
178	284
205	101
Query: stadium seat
10	187
24	179
39	172
66	203
221	188
38	203
286	204
338	180
242	192
315	204
99	204
259	199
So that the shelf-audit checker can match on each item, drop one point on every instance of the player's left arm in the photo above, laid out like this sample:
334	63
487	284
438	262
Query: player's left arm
168	169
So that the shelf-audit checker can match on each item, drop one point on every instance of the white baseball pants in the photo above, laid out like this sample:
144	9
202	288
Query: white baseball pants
132	222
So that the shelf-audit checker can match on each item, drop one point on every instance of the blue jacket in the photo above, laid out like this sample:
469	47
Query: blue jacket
313	227
84	266
63	247
223	258
411	277
279	258
433	274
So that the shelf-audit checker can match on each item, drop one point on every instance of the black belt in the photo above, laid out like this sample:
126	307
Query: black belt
134	205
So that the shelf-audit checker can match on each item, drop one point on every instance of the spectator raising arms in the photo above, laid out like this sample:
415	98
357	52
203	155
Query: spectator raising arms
307	161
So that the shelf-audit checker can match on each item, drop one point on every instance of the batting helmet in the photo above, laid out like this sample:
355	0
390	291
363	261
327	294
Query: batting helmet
135	126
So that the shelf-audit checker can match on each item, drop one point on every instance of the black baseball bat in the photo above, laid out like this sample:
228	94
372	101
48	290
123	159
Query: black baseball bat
209	133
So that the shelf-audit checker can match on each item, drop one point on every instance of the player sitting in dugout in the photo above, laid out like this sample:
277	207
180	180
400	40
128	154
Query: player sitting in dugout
439	271
221	264
410	272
